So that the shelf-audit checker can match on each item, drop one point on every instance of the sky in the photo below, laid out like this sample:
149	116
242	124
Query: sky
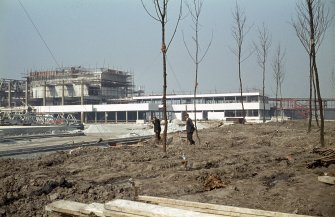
119	34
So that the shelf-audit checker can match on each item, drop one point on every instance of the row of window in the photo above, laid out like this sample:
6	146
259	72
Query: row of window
228	113
206	100
238	113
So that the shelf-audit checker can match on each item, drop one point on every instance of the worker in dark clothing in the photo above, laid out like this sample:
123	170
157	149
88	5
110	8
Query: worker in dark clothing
157	128
189	129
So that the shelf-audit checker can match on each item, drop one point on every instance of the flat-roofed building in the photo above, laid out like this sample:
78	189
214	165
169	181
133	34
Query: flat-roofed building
217	106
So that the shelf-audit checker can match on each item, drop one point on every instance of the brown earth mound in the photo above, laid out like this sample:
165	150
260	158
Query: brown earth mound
262	166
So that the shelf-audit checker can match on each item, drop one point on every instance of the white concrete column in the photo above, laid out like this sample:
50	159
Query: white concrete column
63	91
82	93
26	94
126	116
45	93
9	94
115	117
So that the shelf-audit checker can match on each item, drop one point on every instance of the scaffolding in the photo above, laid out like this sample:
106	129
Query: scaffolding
12	92
78	85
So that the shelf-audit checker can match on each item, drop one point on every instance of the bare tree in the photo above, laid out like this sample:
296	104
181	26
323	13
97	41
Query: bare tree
195	9
239	31
160	15
278	74
262	48
310	26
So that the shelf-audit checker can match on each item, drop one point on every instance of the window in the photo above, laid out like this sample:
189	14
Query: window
186	101
230	113
219	100
252	98
238	99
209	100
252	113
230	99
239	113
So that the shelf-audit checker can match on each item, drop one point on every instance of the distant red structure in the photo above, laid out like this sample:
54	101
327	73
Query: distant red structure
298	108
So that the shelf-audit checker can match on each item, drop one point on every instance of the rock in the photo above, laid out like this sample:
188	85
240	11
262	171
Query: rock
327	179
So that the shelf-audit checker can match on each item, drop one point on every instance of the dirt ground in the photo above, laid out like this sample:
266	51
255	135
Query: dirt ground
261	166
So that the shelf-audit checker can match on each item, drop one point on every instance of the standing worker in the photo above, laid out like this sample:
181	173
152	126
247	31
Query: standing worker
189	129
157	128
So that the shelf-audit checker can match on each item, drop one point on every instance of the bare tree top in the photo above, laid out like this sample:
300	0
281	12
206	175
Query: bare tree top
263	45
161	15
321	21
239	31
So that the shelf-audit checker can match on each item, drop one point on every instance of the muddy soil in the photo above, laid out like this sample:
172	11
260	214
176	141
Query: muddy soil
261	166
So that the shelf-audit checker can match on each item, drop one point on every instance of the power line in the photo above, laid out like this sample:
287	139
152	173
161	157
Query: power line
174	74
39	34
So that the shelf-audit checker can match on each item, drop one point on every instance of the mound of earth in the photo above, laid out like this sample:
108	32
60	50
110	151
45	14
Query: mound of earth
261	166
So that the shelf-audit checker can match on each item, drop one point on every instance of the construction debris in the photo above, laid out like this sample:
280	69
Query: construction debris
213	182
329	157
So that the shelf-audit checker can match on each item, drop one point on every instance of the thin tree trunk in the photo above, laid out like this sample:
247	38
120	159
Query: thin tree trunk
322	140
310	94
315	104
164	89
241	89
277	101
263	95
196	81
196	75
281	104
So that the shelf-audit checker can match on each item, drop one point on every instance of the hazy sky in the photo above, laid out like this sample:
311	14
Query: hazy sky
119	34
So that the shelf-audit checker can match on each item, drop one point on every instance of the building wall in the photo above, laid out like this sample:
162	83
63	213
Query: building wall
57	91
219	106
216	116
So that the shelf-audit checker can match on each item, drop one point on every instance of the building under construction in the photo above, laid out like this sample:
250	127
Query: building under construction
13	93
78	86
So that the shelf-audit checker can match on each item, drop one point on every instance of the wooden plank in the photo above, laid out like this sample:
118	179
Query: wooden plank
66	207
327	179
163	207
150	210
109	213
214	208
99	210
202	210
96	208
81	209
